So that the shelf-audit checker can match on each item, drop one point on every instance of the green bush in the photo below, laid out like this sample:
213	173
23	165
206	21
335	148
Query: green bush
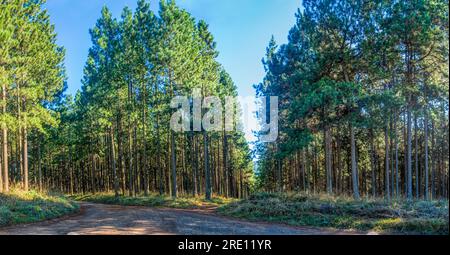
25	207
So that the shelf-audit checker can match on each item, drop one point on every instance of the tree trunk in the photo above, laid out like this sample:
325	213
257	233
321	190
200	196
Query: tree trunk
5	176
173	164
328	155
144	142
25	151
225	162
386	162
279	172
120	159
194	172
130	162
416	157
372	164
397	191
39	164
207	173
113	161
408	154
433	162
354	163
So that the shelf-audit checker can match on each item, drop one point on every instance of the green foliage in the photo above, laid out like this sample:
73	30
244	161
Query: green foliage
25	207
135	66
31	65
355	69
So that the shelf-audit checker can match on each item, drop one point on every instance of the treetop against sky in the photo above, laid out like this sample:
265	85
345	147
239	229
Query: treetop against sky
241	30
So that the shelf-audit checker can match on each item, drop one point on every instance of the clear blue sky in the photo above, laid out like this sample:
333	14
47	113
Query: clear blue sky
242	29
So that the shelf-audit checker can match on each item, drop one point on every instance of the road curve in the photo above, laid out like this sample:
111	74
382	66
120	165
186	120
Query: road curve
100	219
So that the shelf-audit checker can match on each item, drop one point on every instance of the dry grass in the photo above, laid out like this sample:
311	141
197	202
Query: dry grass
154	200
416	217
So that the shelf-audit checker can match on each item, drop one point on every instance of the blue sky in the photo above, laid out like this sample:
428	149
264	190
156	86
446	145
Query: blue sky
242	29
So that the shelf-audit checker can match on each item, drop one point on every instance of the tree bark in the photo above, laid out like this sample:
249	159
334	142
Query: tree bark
25	151
433	162
416	157
173	164
328	155
113	162
354	163
386	162
207	173
5	176
39	164
408	154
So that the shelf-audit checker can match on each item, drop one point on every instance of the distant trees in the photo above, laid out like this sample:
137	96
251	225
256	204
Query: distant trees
352	77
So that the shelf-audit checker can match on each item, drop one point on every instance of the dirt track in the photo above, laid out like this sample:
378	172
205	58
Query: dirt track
99	219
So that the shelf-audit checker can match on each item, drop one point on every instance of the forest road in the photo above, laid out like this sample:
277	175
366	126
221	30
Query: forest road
101	219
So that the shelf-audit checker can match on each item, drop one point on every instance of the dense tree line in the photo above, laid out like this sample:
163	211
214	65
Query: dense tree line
31	77
114	134
363	89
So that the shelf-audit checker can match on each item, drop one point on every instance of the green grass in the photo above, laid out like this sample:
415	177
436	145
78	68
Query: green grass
416	217
154	200
24	207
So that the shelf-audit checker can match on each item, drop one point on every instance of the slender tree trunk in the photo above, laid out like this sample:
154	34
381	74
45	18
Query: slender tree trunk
196	166
113	161
372	164
339	182
194	173
386	162
5	167
279	172
408	154
120	142
25	150
397	191
328	155
225	162
392	155
433	163
416	157
426	150
354	163
173	164
144	141
39	163
1	178
130	161
207	173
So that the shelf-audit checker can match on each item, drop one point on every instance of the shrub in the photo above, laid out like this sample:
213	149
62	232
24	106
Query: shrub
24	207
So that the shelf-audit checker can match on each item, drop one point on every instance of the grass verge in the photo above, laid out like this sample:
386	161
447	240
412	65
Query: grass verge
19	207
415	217
154	200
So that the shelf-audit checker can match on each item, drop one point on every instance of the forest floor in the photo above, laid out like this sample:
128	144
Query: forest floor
18	207
397	216
155	200
103	219
260	214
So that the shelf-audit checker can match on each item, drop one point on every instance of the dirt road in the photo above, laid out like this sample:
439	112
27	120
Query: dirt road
99	219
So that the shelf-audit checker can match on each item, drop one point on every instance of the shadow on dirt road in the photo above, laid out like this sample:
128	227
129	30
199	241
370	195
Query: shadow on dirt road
100	219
